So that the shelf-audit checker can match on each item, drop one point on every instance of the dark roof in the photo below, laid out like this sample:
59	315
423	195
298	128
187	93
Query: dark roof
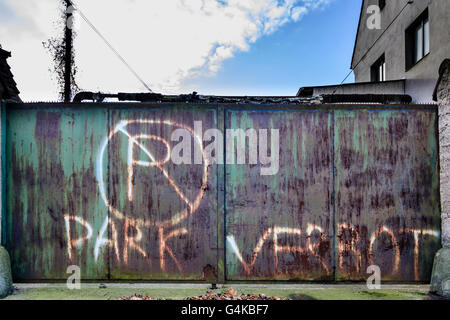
255	100
8	88
193	98
367	98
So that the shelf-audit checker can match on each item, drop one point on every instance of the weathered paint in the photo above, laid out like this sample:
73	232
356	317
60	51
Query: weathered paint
280	227
387	193
70	196
91	185
177	212
50	175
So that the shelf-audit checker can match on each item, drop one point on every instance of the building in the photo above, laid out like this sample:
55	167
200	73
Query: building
8	87
400	55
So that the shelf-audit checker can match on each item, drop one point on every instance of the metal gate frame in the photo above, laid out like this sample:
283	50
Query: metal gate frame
2	172
221	178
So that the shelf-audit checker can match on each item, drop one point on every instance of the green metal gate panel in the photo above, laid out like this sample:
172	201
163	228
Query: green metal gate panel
69	201
280	226
52	191
387	193
171	210
94	185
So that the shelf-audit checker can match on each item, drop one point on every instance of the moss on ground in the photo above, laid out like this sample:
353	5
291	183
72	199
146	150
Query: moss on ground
61	293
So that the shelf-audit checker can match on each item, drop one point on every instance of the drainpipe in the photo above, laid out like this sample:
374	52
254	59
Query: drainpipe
440	281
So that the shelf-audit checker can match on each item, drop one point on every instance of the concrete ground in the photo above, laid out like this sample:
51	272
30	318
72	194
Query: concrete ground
112	291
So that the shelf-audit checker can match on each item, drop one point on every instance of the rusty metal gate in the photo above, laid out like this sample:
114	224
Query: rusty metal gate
95	185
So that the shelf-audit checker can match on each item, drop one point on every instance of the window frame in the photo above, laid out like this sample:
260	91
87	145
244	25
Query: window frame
423	23
378	69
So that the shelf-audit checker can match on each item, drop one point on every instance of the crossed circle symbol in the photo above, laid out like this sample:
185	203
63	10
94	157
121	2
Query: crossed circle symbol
191	206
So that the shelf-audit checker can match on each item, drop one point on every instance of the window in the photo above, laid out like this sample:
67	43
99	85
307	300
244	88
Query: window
381	4
417	40
378	70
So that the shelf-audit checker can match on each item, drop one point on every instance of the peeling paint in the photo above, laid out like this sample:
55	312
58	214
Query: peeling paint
94	186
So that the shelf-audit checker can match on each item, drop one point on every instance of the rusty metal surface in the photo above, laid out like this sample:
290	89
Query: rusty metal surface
173	218
51	175
280	227
356	186
387	193
68	201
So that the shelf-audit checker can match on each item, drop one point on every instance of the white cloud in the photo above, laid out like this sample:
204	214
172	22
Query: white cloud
166	41
298	13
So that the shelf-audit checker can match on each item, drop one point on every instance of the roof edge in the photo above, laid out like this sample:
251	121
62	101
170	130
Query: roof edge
357	34
310	88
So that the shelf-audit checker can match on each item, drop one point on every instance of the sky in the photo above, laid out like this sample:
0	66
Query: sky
213	47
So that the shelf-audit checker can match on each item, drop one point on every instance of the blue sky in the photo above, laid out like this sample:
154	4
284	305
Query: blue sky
227	47
314	51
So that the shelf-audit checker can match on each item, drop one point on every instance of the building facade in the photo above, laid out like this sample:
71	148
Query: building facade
410	42
399	47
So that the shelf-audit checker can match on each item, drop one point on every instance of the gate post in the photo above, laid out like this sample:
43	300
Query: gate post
440	281
6	285
2	136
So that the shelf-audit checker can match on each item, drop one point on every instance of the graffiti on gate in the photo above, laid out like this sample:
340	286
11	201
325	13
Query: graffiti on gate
344	247
171	228
165	228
